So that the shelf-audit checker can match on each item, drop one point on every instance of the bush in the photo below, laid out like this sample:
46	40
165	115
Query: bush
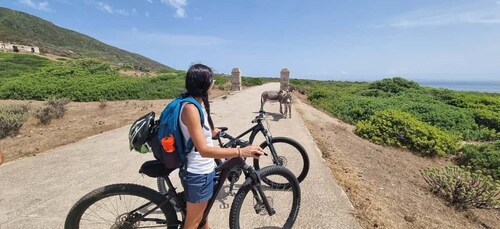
53	109
394	85
488	118
319	93
457	121
248	81
463	188
398	128
484	157
12	118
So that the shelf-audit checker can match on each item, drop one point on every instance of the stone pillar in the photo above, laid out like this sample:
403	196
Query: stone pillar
284	79
236	79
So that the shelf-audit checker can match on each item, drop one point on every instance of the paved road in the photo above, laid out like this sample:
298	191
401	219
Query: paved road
37	192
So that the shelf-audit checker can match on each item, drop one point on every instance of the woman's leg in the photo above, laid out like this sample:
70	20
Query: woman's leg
194	214
198	189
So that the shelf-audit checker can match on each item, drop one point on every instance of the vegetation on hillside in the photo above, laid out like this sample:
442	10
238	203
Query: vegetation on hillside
428	121
30	77
21	28
13	65
467	116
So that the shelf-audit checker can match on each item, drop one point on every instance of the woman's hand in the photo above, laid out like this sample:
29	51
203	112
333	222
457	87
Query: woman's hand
215	131
251	151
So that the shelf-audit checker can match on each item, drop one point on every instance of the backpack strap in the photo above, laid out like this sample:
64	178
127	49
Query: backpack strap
190	99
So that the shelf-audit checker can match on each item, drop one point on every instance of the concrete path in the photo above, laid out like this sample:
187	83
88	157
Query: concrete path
37	192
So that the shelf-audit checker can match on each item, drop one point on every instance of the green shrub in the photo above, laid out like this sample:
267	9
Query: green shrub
394	85
12	118
12	65
374	93
485	157
53	109
398	128
126	68
89	65
249	81
356	108
457	121
462	188
317	94
488	118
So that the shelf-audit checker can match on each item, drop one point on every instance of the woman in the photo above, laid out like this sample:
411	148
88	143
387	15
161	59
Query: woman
197	177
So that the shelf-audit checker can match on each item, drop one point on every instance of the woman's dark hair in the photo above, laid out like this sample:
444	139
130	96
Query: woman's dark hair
199	78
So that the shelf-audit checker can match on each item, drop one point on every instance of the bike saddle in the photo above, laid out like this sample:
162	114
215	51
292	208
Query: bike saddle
155	168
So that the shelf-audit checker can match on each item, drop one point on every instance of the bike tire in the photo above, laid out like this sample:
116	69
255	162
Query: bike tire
245	213
114	195
288	150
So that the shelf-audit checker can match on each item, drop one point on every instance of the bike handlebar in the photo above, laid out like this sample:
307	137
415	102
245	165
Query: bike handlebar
233	142
259	117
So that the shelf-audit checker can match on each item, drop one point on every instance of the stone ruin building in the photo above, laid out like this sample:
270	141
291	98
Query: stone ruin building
9	47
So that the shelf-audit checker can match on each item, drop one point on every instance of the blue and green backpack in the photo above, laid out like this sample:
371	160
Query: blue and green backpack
167	141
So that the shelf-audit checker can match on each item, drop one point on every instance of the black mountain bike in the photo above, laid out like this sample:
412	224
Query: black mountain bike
283	151
135	206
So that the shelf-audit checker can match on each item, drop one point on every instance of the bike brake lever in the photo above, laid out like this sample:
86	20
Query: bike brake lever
258	155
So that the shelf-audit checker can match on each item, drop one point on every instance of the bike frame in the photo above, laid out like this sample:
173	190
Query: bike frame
258	127
223	172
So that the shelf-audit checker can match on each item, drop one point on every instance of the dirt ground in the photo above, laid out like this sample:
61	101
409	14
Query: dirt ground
383	183
81	120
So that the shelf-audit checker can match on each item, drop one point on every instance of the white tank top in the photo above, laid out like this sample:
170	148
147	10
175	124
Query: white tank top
195	162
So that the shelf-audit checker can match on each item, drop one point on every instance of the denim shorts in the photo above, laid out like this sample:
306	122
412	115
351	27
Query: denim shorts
197	187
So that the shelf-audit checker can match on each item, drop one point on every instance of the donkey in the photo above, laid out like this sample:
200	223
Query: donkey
273	96
287	99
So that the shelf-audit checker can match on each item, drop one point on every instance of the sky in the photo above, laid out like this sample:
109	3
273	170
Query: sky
314	39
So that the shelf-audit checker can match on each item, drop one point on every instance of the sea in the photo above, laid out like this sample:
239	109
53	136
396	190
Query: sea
478	86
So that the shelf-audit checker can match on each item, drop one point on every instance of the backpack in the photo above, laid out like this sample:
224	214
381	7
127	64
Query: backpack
167	141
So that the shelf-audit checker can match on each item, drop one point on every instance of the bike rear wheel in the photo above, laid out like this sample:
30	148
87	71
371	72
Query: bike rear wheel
122	206
248	211
290	153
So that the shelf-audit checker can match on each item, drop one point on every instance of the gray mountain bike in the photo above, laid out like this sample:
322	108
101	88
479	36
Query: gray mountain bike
256	204
282	151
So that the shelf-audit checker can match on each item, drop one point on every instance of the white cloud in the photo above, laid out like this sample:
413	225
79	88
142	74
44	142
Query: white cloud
448	16
150	1
44	6
147	14
105	7
179	6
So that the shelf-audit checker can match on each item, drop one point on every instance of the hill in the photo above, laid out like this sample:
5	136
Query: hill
25	29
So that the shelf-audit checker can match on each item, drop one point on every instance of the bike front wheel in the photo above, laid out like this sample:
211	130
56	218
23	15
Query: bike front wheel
122	206
249	211
290	154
